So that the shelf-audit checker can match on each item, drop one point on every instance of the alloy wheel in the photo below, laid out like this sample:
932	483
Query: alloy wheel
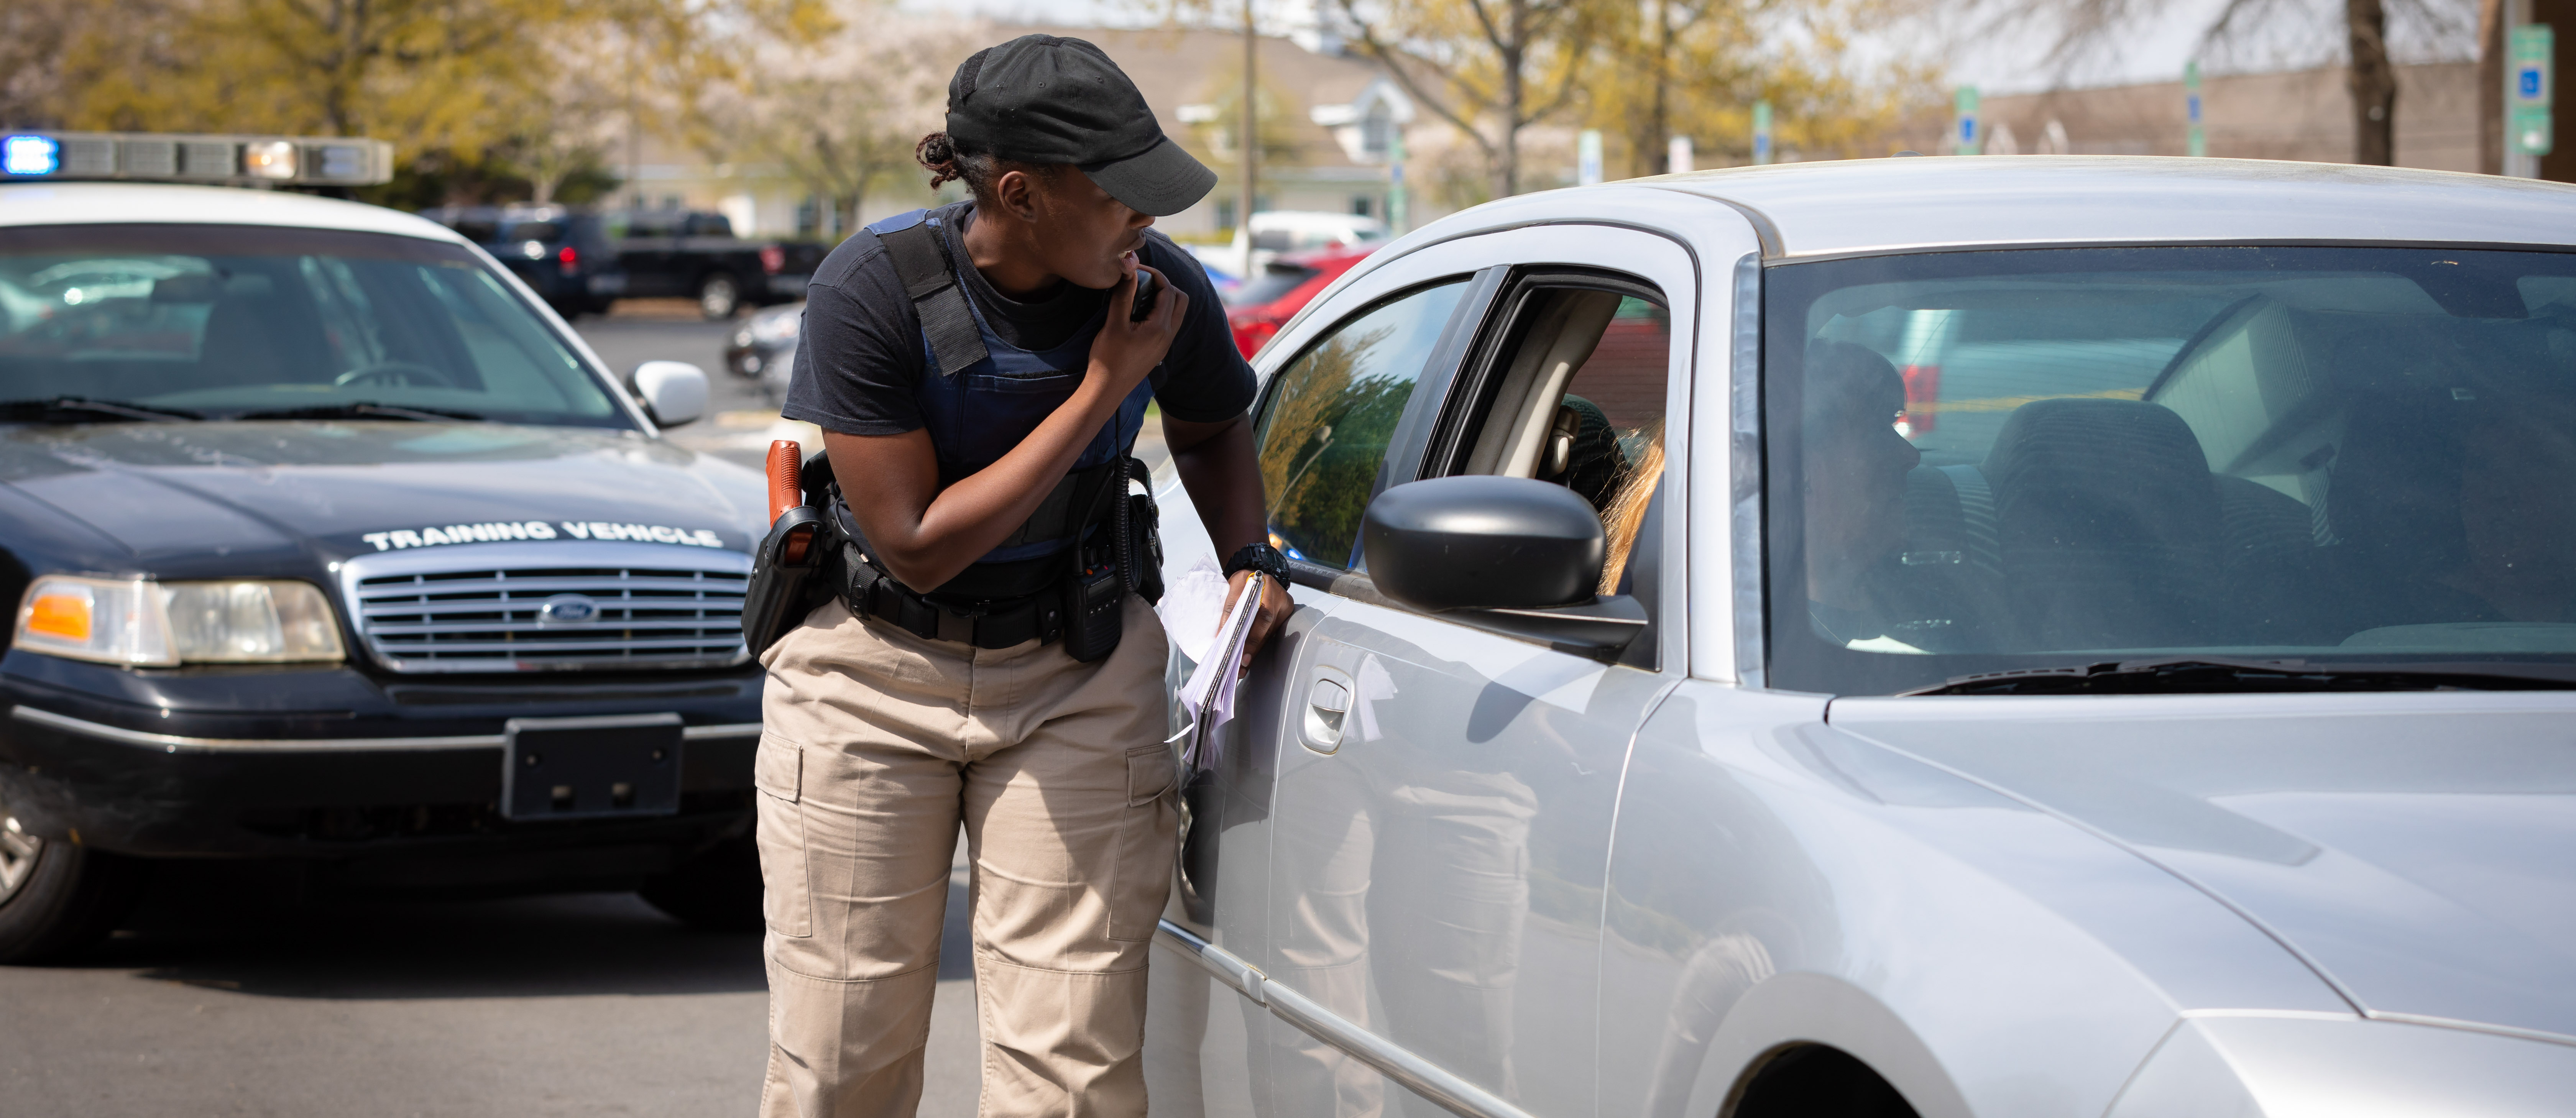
18	851
718	298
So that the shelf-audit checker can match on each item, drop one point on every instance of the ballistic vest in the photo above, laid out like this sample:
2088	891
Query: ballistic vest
980	395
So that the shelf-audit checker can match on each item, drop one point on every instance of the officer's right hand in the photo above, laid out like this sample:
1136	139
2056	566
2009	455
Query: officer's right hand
1125	351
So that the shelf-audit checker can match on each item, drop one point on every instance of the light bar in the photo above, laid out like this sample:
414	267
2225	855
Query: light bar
164	157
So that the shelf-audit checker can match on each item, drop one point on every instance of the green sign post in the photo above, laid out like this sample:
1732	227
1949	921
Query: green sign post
2533	86
2198	144
1761	133
1396	209
1971	135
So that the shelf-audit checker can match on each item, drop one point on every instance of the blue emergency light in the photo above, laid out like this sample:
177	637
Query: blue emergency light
30	155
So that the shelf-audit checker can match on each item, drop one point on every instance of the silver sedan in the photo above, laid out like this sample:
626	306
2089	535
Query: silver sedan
2009	636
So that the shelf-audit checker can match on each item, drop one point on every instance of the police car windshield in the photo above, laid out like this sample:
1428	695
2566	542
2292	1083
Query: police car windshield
2339	457
223	321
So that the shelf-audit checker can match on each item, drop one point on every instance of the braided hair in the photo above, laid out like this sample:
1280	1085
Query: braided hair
940	154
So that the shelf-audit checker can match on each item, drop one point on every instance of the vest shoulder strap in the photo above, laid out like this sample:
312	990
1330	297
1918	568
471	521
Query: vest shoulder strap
921	261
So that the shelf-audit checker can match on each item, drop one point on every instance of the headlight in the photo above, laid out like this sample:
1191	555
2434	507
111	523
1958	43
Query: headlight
151	624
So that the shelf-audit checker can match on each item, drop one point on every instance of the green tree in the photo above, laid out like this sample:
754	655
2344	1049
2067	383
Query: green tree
1695	67
430	75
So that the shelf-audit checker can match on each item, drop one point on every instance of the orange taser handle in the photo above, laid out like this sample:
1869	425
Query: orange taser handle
786	477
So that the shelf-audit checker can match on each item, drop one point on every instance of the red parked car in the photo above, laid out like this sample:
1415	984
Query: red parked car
1261	305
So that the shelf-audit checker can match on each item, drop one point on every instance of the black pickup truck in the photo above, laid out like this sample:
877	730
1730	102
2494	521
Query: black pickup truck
583	261
695	254
566	256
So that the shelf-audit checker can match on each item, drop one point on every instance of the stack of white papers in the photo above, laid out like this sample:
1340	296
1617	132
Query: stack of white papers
1207	700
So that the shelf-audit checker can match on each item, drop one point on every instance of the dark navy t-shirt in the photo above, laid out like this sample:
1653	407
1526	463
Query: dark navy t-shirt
859	354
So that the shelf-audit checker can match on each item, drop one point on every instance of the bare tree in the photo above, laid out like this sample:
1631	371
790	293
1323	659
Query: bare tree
1488	67
2086	28
840	116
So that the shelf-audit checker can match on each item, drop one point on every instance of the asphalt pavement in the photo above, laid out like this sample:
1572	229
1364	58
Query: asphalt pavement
231	992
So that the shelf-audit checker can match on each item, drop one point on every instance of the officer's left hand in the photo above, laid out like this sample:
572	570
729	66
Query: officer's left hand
1274	609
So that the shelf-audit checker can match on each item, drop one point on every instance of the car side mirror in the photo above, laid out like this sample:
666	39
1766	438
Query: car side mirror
1508	554
675	392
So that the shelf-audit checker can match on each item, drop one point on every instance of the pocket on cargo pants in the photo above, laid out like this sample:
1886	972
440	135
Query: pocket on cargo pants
786	893
1142	878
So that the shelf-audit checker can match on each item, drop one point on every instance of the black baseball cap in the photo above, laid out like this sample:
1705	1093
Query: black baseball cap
1052	99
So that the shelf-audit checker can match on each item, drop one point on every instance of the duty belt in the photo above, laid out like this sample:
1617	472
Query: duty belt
871	592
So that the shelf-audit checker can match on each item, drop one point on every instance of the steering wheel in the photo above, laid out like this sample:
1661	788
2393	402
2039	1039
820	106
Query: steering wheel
398	374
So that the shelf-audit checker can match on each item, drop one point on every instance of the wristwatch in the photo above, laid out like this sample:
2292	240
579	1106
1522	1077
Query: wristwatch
1259	557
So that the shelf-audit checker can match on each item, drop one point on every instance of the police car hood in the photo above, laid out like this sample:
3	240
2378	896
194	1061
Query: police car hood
2417	850
247	498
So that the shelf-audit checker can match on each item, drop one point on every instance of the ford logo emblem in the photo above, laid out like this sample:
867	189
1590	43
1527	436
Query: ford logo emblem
568	609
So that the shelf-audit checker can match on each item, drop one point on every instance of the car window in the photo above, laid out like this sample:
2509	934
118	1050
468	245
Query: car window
709	225
1575	395
227	320
646	223
1992	461
1324	426
535	231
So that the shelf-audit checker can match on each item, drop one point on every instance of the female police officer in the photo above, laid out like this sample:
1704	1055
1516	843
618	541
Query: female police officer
980	377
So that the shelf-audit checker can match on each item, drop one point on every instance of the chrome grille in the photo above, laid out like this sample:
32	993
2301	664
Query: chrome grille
519	607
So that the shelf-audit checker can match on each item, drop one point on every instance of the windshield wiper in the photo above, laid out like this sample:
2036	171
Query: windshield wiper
2203	675
59	408
363	411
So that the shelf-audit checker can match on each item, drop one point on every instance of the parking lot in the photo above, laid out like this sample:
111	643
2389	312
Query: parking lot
232	992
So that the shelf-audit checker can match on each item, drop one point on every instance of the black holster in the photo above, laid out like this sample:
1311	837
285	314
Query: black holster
781	593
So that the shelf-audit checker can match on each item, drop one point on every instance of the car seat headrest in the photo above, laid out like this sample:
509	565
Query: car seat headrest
2108	523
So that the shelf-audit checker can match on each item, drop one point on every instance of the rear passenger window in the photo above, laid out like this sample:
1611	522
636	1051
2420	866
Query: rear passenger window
1325	425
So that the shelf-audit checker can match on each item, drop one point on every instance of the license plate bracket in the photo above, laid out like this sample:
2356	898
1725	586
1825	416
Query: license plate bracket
590	768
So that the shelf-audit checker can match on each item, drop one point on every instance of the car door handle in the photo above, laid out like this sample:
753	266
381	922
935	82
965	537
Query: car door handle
1328	707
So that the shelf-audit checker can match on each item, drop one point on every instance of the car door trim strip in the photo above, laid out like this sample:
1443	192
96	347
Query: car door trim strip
1744	464
1393	1061
1215	960
173	743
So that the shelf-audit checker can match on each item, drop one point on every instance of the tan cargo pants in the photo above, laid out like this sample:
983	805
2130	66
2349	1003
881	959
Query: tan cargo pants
874	745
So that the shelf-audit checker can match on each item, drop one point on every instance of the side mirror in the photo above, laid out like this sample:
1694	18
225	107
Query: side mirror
675	392
1513	555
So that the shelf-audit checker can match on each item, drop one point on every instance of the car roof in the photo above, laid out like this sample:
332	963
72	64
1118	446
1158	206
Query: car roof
119	203
1861	206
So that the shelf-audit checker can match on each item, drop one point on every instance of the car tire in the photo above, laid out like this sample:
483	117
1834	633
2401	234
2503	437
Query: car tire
719	296
716	890
56	897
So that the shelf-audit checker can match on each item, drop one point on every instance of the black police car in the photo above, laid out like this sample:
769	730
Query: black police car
328	543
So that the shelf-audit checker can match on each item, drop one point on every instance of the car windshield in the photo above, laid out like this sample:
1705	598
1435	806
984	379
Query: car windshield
224	321
1999	460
